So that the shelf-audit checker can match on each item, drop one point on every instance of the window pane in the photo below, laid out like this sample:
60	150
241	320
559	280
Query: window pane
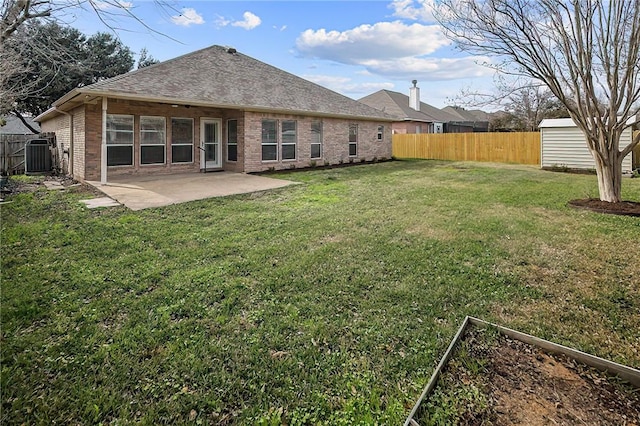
181	130
269	152
152	154
120	122
181	153
232	153
155	124
353	133
119	156
210	132
119	138
315	150
269	131
288	152
288	132
232	131
316	131
210	151
353	149
152	138
380	132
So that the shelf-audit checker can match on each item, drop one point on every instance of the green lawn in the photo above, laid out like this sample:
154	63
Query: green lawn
328	302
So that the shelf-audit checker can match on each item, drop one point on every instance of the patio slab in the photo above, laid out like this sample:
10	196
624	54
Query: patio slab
141	192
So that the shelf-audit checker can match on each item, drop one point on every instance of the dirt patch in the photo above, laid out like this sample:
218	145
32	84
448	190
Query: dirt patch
18	186
492	379
625	208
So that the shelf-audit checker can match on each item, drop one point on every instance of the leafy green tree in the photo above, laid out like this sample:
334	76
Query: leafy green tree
146	59
54	59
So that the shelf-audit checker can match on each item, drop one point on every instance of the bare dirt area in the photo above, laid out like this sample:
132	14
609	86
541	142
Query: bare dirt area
17	185
625	208
492	379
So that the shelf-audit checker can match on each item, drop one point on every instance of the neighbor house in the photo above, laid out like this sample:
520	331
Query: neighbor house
477	119
413	116
213	109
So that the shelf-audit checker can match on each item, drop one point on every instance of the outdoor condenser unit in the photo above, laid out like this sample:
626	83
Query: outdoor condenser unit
37	156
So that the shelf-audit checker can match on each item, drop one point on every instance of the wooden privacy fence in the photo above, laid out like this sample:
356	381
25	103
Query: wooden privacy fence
12	153
508	147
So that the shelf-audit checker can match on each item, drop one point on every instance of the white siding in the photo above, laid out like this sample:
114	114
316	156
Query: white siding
566	147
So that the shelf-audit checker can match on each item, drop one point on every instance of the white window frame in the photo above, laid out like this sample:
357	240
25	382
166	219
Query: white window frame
294	143
162	133
319	137
182	144
380	133
269	143
114	132
355	141
229	142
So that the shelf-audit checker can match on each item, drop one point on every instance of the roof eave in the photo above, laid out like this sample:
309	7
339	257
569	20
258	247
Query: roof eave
200	103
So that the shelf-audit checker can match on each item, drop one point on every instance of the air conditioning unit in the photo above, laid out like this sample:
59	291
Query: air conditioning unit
37	156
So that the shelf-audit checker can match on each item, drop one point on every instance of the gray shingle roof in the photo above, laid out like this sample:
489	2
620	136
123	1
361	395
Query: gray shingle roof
397	104
14	126
221	77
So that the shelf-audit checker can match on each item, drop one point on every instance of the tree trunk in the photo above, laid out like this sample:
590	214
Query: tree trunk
609	177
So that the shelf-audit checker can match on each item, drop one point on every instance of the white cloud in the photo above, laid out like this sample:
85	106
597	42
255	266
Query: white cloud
250	21
282	28
345	85
385	40
187	17
431	69
417	10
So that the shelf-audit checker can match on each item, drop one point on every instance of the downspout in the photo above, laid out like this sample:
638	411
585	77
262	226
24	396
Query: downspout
70	138
103	156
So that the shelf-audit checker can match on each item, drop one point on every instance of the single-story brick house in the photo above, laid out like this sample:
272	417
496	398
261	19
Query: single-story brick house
213	109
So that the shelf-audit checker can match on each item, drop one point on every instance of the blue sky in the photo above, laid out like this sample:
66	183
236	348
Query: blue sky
353	47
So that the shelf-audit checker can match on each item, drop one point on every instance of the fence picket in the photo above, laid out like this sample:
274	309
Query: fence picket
511	147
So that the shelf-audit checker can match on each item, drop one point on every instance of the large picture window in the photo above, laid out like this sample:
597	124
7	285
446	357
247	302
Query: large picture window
269	140
316	139
119	140
353	140
289	139
152	140
232	140
182	140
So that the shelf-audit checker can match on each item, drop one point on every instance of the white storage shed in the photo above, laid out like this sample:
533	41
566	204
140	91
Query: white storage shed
562	144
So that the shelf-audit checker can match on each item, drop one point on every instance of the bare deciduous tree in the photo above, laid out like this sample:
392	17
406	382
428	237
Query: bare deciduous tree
585	51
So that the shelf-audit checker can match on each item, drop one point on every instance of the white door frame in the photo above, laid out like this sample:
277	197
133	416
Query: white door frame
203	157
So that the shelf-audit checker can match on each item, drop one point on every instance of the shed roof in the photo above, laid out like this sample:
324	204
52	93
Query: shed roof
568	122
221	77
397	105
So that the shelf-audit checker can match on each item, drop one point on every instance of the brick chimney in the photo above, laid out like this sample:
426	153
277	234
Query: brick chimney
414	96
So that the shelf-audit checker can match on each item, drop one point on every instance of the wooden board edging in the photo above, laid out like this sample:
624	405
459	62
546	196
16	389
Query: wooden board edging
629	374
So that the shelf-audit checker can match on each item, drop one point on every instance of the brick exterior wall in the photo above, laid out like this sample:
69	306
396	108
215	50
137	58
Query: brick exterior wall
60	126
138	109
335	143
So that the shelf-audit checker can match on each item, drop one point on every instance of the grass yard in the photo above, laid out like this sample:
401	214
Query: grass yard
328	302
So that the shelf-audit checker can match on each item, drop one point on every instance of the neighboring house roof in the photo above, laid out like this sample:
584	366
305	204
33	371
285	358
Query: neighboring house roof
224	78
469	115
397	105
14	126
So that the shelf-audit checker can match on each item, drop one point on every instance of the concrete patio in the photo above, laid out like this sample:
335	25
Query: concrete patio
141	192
